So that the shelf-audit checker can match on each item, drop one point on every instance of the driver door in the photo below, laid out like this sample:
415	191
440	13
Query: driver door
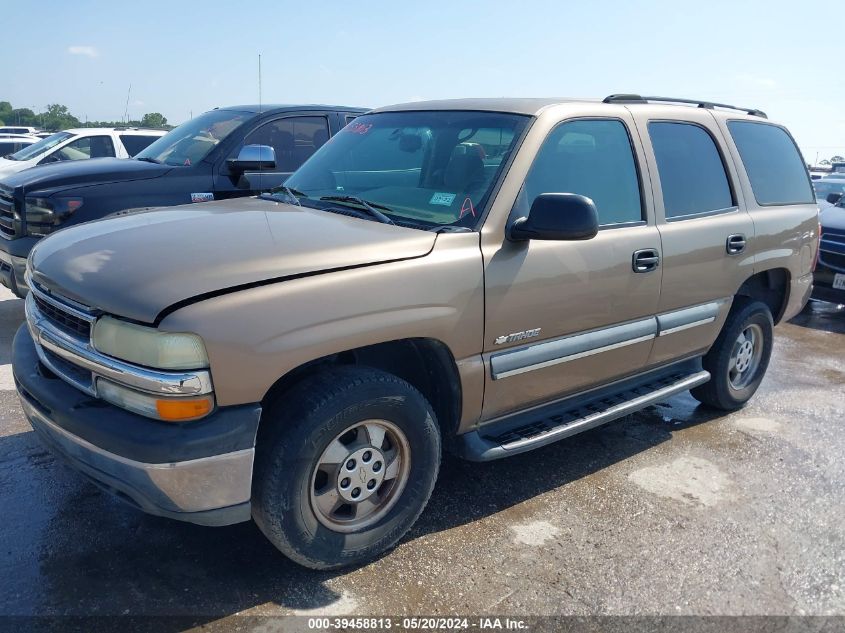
294	140
564	316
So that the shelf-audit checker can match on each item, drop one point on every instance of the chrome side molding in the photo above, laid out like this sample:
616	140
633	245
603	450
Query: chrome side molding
512	362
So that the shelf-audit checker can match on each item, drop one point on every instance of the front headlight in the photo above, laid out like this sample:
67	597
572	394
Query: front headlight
148	346
44	214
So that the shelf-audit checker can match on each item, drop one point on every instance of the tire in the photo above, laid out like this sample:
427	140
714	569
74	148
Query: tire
729	388
312	425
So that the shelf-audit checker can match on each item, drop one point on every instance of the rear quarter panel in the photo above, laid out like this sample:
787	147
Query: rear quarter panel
785	236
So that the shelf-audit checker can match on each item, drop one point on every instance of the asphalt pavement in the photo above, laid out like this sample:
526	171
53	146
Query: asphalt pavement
674	510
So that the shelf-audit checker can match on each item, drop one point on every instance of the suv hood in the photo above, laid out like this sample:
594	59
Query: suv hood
832	217
93	171
138	265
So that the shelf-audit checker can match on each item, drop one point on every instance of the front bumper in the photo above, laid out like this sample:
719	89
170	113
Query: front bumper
12	272
823	289
200	472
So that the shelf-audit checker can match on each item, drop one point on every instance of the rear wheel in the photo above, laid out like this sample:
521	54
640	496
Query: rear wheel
346	468
739	358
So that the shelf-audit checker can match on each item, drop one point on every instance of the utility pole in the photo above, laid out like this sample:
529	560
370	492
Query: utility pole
126	111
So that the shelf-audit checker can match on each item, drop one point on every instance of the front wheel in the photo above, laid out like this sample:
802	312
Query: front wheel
739	358
346	468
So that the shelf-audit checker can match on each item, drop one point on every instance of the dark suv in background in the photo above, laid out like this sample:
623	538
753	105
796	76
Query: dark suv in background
224	153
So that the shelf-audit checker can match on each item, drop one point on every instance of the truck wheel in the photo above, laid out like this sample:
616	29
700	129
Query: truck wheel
738	359
346	467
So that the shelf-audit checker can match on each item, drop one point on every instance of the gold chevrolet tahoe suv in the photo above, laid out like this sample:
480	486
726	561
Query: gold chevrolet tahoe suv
485	276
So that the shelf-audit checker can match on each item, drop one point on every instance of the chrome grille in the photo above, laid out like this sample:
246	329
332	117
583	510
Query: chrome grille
836	261
7	213
63	319
832	249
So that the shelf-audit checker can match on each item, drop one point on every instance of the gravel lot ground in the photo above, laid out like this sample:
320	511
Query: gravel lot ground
676	510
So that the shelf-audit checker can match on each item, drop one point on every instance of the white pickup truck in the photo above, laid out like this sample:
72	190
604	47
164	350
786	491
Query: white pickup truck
79	144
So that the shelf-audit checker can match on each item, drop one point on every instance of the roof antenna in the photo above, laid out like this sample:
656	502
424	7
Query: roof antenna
259	83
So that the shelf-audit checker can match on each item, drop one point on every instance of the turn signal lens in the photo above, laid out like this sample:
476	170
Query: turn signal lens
171	409
183	409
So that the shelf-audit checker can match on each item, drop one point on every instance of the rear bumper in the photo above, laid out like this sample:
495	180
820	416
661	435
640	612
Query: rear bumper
200	472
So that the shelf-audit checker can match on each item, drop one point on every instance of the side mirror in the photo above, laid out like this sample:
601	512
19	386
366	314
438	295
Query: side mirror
558	216
833	198
253	158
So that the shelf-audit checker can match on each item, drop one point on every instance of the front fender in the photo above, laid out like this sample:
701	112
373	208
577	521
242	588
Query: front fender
257	335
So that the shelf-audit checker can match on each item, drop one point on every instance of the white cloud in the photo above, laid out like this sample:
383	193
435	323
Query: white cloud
87	51
760	82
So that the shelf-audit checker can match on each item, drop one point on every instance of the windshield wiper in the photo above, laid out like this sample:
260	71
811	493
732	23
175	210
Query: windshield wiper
292	194
147	159
371	207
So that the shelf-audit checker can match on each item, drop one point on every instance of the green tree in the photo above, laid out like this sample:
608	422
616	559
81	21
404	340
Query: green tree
154	119
5	111
58	117
22	116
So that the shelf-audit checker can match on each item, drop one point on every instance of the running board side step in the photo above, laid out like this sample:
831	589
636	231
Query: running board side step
486	444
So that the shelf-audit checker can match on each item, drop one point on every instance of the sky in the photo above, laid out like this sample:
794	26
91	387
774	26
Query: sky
183	57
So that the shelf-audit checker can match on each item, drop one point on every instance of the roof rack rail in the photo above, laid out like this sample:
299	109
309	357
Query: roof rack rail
628	98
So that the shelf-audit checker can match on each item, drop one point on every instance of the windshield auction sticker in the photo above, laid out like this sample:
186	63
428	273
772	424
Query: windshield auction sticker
444	199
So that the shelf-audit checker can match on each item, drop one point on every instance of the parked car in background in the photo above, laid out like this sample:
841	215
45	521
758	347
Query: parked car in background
72	145
11	143
829	276
487	275
221	154
825	187
837	168
19	129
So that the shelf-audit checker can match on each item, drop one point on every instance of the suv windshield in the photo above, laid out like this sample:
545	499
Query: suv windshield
427	168
38	148
192	141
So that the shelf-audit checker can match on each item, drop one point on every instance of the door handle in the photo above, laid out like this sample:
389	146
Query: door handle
645	260
735	244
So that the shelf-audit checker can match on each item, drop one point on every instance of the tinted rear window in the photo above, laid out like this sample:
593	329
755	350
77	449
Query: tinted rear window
772	162
691	171
136	142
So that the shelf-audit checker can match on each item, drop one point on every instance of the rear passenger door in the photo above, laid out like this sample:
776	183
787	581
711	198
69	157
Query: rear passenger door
134	143
705	230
